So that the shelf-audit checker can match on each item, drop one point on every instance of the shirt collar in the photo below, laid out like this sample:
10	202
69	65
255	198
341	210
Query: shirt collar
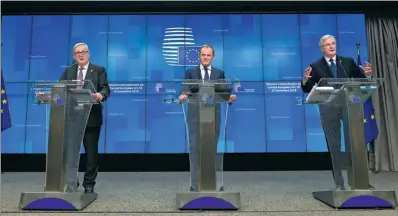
328	59
202	67
85	66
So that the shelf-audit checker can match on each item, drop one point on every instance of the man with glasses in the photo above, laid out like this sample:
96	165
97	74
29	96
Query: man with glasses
85	70
331	65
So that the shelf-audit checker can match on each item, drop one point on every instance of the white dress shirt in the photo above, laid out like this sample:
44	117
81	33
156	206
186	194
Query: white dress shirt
84	70
328	60
203	72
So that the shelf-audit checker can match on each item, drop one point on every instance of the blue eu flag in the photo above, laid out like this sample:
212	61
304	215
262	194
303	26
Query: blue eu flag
371	130
188	55
5	112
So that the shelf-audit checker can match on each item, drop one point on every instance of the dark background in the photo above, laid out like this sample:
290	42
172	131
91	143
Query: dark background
145	7
179	162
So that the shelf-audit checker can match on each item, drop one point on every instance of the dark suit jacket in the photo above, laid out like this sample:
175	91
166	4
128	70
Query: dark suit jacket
195	73
346	68
97	75
216	74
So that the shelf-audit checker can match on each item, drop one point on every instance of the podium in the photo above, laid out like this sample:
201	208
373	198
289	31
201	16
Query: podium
70	103
349	94
205	113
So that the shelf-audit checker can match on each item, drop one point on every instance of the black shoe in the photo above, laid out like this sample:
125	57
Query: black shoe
339	188
221	188
89	190
192	189
77	185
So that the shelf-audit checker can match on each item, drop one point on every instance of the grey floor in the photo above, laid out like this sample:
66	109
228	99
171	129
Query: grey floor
262	193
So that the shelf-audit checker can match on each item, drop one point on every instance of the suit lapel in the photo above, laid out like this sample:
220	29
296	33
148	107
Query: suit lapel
198	74
340	64
214	74
89	75
72	73
326	68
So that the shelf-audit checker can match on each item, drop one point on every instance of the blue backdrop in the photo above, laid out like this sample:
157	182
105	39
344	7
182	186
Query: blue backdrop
142	54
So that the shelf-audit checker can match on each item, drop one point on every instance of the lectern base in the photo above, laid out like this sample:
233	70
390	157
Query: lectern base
56	201
357	198
208	201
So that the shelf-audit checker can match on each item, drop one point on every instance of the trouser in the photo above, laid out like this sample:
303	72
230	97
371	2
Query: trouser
194	157
330	118
90	142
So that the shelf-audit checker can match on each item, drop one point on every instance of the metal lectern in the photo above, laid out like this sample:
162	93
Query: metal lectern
349	94
70	103
205	110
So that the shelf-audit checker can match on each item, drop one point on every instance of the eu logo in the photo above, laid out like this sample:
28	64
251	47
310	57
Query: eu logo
59	101
356	100
159	88
209	101
179	47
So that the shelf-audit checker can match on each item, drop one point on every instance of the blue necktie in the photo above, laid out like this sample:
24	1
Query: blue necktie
206	73
333	68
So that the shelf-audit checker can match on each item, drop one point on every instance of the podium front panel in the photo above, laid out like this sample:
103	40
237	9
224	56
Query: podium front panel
206	116
341	104
70	103
206	121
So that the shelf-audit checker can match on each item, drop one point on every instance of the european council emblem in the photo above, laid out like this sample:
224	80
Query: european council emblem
159	87
179	47
238	87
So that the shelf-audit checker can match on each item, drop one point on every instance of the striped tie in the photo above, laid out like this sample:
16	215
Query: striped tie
80	78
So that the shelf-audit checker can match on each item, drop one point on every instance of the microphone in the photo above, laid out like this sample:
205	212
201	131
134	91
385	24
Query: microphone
171	100
341	65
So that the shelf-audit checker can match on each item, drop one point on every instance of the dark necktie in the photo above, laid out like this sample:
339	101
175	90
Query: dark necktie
80	78
333	68
207	77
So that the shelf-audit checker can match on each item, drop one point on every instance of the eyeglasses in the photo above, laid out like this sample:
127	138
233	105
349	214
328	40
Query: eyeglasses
329	44
81	52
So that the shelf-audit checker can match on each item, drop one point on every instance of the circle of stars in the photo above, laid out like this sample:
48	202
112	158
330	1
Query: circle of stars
192	56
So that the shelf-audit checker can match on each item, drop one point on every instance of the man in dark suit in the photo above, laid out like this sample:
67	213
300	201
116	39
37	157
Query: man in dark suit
84	70
332	66
205	71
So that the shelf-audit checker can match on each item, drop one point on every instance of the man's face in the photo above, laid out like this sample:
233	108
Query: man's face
206	56
329	47
81	55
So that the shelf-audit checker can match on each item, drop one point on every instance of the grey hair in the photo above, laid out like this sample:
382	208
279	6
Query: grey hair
80	44
325	37
206	46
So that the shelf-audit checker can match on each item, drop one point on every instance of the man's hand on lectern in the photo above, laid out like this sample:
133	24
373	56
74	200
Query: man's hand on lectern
98	97
367	69
232	98
182	97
